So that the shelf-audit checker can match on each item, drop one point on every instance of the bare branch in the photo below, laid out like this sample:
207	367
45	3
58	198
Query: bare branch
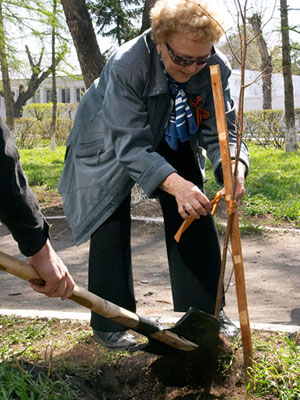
225	33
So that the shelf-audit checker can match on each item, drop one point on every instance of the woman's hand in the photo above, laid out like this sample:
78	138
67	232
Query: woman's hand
240	182
58	281
190	200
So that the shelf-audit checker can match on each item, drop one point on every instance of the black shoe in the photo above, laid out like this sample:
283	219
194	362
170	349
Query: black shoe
227	328
115	340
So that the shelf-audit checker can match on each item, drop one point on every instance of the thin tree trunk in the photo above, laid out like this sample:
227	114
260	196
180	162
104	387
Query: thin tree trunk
146	23
8	96
266	65
81	28
54	95
291	134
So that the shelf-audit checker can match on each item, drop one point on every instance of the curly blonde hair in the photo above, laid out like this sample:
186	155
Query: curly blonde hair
197	17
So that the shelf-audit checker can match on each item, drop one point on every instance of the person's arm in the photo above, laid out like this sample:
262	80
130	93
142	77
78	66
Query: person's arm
19	208
240	180
126	116
20	212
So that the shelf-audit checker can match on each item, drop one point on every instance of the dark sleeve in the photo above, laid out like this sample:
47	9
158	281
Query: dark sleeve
19	208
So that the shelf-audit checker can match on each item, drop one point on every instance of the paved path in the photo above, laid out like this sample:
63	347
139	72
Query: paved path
272	269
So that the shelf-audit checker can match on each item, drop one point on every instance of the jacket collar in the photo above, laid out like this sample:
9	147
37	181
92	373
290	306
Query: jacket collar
157	83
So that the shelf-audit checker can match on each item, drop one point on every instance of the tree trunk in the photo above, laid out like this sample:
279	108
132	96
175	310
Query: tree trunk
291	134
146	23
8	96
266	65
54	95
81	28
38	75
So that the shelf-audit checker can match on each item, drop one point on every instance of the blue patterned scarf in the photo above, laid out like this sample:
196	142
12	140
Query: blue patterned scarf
182	124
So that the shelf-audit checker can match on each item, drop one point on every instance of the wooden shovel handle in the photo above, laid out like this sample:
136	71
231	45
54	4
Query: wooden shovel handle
80	295
95	303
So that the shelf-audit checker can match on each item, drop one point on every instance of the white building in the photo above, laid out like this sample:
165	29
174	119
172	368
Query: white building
253	93
70	90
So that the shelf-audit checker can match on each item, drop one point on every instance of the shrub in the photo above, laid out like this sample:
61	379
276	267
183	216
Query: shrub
267	127
63	127
30	131
42	111
27	133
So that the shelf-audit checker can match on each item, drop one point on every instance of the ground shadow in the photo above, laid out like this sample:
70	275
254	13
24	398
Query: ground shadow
295	317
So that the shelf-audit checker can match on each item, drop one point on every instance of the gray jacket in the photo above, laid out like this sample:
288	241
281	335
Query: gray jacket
119	123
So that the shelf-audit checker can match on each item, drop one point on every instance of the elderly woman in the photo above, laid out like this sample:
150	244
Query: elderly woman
149	119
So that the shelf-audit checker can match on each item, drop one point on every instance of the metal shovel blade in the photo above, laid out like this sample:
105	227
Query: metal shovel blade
196	326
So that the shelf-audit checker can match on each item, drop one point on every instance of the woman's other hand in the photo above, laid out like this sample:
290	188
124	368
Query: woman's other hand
190	200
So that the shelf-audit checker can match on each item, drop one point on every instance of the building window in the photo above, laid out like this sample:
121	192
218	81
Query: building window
65	95
36	97
79	93
49	96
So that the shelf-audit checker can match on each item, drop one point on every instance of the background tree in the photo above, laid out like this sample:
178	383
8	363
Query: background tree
233	45
38	75
81	28
295	57
146	22
116	18
84	38
266	64
291	134
18	20
54	94
7	92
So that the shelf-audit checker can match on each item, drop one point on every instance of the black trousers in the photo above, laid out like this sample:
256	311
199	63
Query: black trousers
194	262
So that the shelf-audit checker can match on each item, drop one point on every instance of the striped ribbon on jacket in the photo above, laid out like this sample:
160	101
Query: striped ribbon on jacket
182	123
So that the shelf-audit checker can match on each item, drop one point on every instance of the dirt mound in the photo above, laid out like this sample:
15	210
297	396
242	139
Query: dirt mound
202	374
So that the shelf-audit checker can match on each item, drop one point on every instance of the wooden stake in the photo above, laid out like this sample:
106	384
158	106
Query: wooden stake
229	198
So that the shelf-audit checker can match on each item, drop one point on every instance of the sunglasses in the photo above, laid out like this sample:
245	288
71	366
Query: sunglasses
185	62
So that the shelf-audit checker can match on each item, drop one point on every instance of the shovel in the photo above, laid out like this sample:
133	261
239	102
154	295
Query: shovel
196	329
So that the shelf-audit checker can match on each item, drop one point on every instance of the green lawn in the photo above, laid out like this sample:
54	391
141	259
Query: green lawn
43	166
272	187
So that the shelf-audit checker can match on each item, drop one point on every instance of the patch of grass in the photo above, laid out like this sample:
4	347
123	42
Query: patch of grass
43	166
28	333
17	381
272	186
29	373
278	372
246	227
82	336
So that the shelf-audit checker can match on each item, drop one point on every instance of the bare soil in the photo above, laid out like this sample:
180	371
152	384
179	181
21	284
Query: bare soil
215	373
272	266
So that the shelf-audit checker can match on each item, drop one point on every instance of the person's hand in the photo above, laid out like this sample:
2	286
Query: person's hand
58	281
240	182
190	200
